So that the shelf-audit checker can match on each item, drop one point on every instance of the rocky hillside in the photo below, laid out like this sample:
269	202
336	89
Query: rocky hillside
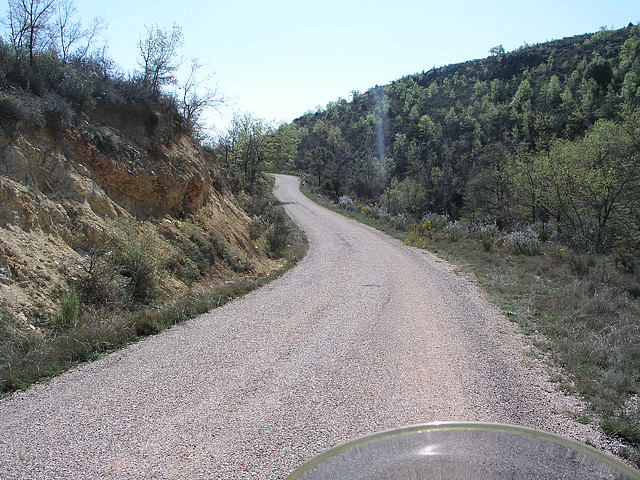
115	221
74	191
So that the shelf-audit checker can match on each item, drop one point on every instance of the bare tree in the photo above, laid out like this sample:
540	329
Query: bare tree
68	33
197	95
28	25
159	56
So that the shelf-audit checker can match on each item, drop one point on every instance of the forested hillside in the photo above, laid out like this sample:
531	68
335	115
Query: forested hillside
546	133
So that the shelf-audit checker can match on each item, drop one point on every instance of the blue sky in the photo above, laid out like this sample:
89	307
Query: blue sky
281	58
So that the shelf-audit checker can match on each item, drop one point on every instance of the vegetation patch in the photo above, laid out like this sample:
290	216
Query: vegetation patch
108	172
524	167
581	308
117	295
625	428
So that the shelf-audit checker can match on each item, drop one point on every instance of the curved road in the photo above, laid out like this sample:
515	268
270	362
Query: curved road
365	334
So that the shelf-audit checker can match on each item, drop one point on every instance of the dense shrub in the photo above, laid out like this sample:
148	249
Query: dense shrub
77	88
135	257
279	232
600	71
18	107
57	111
97	282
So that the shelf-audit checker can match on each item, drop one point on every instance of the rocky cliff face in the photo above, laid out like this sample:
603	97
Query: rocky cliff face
64	192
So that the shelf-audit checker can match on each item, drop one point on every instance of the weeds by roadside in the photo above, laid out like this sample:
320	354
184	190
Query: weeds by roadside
582	308
101	331
114	298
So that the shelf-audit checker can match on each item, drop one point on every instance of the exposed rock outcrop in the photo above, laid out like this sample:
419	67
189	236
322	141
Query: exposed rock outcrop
63	192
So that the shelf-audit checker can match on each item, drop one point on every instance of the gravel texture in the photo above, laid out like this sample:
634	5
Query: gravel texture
365	334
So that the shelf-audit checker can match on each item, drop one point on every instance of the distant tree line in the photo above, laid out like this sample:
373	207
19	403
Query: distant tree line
250	146
546	133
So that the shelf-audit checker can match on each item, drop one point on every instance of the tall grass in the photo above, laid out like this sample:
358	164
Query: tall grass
69	309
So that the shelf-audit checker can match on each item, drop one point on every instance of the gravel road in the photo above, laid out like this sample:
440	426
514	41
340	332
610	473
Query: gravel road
365	334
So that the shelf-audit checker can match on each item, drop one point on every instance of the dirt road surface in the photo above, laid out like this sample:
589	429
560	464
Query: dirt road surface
365	334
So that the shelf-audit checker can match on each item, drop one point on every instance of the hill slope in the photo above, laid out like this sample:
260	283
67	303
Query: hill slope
67	193
452	140
110	214
525	168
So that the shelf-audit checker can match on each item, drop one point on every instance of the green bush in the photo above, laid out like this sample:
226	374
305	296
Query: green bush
625	428
487	234
135	258
279	232
68	315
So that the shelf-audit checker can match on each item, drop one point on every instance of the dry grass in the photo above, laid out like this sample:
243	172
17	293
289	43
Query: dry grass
588	321
113	303
582	309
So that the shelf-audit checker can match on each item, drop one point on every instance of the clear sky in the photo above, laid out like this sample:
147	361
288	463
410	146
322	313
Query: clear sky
281	58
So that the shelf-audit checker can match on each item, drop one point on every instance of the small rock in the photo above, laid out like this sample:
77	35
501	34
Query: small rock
5	275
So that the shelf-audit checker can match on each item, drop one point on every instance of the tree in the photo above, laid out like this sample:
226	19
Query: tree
476	136
523	95
629	58
28	25
67	32
601	71
529	185
497	50
197	96
589	186
159	56
552	93
488	191
245	148
408	197
282	146
630	91
318	161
